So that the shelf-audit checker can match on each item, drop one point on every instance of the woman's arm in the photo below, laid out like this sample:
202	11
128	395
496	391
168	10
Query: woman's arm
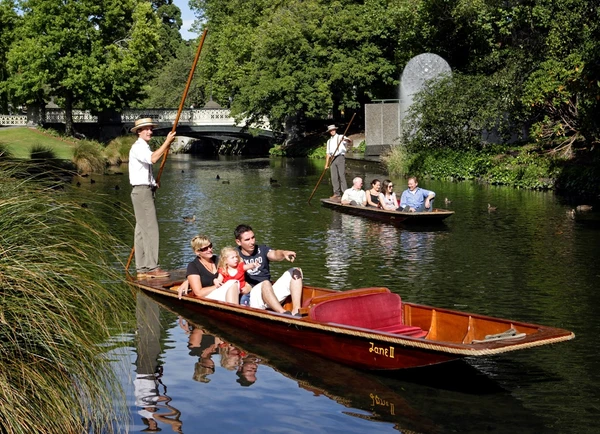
369	201
196	285
218	281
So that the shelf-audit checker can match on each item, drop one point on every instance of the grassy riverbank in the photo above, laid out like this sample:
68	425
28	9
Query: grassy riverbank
88	156
19	141
63	297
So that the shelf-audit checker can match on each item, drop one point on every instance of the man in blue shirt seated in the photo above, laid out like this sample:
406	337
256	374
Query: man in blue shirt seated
265	294
416	199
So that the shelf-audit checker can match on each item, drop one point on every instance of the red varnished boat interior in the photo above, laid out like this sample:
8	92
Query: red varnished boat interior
437	324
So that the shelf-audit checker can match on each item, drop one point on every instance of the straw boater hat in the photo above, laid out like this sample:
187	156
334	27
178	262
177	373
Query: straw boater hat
331	127
141	123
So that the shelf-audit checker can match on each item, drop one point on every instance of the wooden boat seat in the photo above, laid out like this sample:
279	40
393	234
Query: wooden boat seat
381	311
341	294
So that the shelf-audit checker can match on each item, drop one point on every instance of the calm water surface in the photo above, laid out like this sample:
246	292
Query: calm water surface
526	261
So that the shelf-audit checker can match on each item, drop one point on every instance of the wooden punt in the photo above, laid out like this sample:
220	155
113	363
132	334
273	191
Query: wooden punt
370	328
393	217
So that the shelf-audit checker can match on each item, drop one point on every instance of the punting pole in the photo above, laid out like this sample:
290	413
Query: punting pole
181	105
336	148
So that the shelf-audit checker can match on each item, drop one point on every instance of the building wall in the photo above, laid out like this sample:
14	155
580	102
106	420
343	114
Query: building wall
382	127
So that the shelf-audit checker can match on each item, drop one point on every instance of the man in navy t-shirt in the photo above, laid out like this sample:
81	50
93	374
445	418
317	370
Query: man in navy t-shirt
264	294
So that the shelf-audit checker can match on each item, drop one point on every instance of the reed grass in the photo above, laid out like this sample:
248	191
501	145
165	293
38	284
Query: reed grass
63	295
397	160
4	152
89	157
40	152
117	151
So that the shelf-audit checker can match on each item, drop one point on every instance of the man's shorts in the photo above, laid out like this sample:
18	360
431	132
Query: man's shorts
281	288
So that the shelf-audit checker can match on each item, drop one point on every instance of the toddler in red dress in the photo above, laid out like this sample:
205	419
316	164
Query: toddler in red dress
231	267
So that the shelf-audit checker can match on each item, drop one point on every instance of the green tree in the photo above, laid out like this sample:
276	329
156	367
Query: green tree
548	67
166	89
8	22
299	59
478	107
92	54
296	59
170	39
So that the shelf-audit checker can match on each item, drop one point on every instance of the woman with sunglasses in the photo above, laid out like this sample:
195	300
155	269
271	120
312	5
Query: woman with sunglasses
387	197
202	272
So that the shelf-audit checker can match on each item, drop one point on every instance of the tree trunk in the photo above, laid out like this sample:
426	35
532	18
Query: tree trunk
293	128
69	130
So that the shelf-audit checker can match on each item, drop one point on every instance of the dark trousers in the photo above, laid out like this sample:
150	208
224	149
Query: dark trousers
338	175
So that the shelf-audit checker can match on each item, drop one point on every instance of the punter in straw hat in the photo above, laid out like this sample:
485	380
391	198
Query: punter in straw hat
336	160
144	185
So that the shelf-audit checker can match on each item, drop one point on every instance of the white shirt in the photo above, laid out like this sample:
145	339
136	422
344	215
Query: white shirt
388	202
333	142
140	164
358	196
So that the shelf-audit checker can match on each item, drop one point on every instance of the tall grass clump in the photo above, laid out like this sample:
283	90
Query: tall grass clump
4	152
117	151
397	160
88	157
62	298
39	152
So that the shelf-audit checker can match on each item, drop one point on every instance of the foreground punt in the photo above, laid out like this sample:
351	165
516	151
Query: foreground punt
371	328
392	217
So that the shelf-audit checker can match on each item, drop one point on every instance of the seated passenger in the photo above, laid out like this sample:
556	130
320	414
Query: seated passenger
202	272
373	194
415	199
355	195
387	197
231	267
265	294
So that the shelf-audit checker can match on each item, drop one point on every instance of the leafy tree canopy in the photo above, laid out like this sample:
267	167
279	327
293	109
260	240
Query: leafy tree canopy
165	90
311	58
169	16
89	53
8	22
315	58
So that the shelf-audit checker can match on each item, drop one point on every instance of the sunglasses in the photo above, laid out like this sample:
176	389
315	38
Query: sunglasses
205	248
390	186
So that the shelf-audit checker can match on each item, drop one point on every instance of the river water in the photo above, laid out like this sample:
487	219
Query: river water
526	261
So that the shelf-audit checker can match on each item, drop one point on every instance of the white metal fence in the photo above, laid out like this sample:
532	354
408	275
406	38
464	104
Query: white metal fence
13	120
129	116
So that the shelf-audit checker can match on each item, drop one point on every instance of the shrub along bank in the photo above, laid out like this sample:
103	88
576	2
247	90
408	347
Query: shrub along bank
521	168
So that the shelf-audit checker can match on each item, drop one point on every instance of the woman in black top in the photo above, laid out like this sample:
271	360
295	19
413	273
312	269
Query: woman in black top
373	194
202	272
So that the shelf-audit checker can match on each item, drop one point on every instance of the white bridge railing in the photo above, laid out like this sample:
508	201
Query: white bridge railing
13	120
188	117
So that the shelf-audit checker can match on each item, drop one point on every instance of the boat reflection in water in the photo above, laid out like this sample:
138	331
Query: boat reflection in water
204	345
151	399
426	400
348	233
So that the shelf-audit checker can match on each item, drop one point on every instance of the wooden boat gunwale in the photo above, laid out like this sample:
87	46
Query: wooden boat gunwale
437	215
543	336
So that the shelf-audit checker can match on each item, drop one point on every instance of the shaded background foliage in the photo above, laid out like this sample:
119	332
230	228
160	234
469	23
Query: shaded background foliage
526	71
